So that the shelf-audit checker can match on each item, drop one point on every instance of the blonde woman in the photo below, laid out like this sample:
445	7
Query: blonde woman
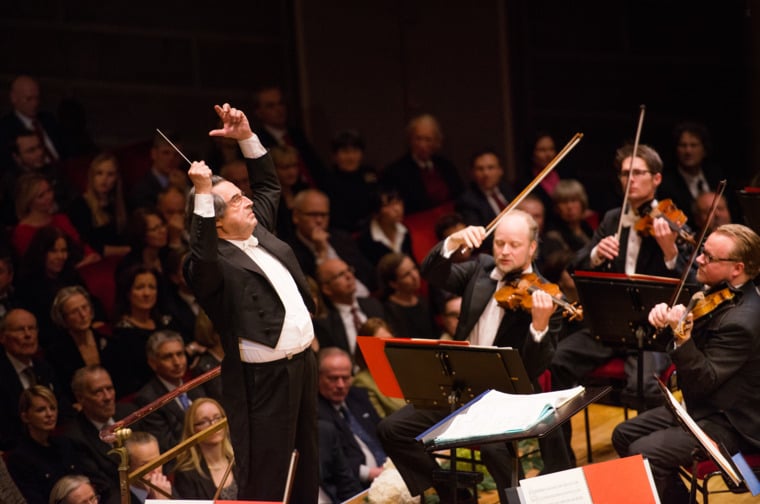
200	469
99	214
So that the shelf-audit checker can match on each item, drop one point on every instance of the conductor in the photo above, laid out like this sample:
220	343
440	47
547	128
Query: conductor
250	285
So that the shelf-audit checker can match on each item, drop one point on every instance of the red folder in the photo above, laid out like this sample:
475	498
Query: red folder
619	481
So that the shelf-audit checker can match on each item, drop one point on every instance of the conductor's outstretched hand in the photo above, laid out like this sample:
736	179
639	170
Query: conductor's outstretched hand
234	123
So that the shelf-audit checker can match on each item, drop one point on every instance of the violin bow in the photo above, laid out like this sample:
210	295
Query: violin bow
642	109
532	185
698	245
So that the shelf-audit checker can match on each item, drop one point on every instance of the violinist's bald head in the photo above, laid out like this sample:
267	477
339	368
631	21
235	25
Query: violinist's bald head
515	241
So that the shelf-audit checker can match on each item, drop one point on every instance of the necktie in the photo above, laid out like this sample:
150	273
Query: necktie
498	199
51	157
184	401
372	443
30	375
357	319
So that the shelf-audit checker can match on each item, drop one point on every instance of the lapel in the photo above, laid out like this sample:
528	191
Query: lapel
482	290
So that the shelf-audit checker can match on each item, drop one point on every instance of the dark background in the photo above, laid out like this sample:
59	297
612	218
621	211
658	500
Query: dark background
493	72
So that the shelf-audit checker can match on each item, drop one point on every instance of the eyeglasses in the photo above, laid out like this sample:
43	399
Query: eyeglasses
236	200
206	422
636	173
348	271
709	258
93	499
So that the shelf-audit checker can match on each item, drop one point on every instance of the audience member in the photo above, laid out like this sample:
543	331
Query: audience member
542	149
94	392
406	311
149	238
8	297
40	458
337	482
383	404
346	312
138	316
488	193
171	206
695	172
315	241
165	353
26	115
570	207
452	308
701	211
21	366
423	177
202	467
165	171
180	302
385	232
47	267
286	164
351	183
272	113
8	489
35	208
77	342
74	489
209	356
99	214
352	414
142	448
237	172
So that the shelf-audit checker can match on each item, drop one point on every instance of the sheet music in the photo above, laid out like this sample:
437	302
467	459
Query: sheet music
497	413
706	441
564	487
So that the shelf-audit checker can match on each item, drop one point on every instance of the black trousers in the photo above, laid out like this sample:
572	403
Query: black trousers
282	415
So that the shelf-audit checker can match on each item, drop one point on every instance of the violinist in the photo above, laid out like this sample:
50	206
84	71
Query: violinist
482	321
716	351
659	254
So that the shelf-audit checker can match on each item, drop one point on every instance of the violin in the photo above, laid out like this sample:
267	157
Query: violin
519	295
668	211
701	305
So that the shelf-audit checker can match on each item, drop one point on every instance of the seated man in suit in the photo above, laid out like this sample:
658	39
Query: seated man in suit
142	447
20	368
352	414
166	357
345	311
315	241
488	193
164	172
423	177
94	392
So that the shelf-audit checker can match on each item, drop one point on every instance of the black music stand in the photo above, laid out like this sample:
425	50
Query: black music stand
616	307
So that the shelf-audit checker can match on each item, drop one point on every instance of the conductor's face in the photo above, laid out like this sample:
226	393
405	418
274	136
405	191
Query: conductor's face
513	246
238	221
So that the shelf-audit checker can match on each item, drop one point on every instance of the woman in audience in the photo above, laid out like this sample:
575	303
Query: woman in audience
570	207
385	232
138	316
287	165
201	468
148	235
40	459
77	343
383	404
35	209
406	312
100	214
541	150
351	183
211	355
73	489
46	267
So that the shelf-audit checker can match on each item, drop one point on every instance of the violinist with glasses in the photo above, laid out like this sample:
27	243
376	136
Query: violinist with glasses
716	351
483	320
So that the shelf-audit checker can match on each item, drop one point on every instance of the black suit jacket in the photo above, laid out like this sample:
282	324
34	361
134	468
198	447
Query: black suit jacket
361	408
11	428
10	126
472	281
92	453
404	175
649	262
674	187
346	248
474	207
330	330
719	366
166	422
237	295
192	485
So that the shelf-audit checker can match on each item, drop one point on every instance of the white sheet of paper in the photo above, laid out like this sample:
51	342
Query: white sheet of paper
564	487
